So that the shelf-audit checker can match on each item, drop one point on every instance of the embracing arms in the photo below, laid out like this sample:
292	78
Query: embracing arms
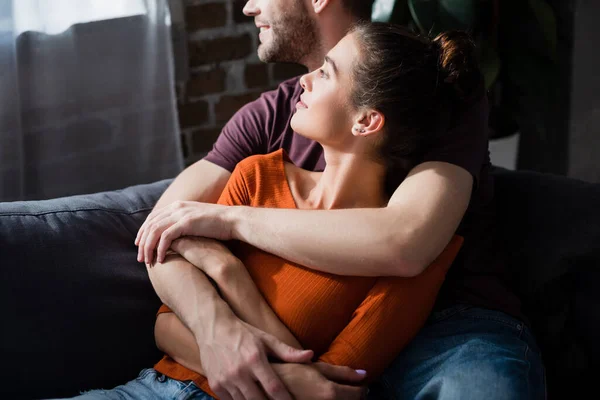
303	381
398	240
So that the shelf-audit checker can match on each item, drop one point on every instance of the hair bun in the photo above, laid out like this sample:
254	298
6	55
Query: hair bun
458	63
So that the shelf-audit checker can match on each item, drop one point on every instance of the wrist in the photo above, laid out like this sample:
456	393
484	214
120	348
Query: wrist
236	218
214	316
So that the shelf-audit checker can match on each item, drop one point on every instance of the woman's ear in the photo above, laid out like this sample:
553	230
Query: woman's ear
368	123
319	5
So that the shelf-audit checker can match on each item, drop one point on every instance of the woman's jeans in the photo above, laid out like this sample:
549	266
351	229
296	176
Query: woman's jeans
150	384
466	353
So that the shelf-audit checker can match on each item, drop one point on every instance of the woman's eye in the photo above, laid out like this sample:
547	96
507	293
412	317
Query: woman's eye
322	73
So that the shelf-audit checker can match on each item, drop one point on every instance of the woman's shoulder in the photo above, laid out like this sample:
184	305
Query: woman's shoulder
262	164
264	178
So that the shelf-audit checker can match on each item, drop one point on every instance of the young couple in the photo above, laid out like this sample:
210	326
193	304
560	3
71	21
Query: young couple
344	197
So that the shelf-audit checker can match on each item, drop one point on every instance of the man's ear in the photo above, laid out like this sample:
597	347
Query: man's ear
319	5
368	123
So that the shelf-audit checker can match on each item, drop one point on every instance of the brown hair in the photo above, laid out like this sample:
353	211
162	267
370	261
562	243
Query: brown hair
417	83
360	9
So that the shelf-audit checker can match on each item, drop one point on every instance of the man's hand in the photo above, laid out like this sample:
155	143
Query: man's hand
236	364
321	381
181	218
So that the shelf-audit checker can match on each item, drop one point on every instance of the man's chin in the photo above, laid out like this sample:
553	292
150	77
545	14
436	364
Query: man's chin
265	55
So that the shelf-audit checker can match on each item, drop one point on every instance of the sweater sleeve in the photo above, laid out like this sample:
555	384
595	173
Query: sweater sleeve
392	313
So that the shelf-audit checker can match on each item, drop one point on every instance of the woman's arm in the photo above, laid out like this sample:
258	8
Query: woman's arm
235	284
394	310
175	339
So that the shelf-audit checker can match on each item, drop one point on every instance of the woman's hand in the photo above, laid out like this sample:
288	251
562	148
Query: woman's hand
209	255
321	381
181	218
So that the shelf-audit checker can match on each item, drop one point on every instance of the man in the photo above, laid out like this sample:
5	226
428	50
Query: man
474	345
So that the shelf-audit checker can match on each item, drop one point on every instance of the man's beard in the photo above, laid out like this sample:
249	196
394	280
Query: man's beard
293	38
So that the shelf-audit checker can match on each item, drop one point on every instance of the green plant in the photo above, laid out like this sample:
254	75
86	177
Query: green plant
516	43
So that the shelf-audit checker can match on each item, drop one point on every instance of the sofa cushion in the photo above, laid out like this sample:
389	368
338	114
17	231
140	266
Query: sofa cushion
76	300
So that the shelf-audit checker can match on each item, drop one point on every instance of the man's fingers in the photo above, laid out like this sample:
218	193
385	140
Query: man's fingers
349	392
270	382
165	241
285	352
251	390
338	373
222	393
235	393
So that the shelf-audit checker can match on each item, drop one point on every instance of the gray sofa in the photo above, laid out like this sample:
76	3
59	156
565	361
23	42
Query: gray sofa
79	309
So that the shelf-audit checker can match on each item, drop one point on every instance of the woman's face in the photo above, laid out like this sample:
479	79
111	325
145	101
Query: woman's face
325	113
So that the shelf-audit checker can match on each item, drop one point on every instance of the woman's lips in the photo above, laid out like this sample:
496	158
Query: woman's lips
301	104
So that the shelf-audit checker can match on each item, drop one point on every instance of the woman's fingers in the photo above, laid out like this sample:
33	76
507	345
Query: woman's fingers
338	373
270	381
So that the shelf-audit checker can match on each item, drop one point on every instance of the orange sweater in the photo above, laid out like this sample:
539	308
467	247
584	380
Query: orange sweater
361	322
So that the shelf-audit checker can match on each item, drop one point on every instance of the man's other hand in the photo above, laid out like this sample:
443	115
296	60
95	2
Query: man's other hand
235	361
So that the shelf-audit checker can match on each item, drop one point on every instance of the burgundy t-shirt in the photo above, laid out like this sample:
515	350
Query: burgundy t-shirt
478	275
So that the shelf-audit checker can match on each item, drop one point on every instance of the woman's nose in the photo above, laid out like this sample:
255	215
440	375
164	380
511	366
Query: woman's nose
305	82
251	8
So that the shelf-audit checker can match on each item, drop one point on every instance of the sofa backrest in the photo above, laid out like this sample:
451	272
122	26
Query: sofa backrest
551	228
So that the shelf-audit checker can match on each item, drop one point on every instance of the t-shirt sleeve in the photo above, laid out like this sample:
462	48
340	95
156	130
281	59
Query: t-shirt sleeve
255	127
163	309
465	144
392	313
236	191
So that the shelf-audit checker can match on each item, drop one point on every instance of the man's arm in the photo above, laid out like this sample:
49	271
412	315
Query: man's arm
304	381
398	305
398	240
202	181
235	285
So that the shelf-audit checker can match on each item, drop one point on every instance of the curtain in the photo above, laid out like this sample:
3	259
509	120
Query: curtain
87	98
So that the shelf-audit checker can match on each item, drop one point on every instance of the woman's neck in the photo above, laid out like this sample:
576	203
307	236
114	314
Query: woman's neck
348	181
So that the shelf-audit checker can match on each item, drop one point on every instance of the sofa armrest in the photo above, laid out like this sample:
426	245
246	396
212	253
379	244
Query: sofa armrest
79	307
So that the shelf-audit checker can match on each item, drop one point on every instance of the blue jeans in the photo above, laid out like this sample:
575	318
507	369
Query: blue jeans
150	384
466	353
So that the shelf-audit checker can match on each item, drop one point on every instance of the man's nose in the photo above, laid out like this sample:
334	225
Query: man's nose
251	8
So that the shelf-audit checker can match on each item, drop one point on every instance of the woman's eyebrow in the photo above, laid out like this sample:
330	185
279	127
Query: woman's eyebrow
330	61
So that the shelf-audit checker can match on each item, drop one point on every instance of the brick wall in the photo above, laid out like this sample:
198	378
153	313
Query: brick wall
225	71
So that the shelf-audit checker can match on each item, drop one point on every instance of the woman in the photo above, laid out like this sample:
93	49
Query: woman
381	98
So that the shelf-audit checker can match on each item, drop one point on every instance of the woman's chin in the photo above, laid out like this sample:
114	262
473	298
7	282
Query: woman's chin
298	127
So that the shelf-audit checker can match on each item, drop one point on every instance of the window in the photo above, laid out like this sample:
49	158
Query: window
55	16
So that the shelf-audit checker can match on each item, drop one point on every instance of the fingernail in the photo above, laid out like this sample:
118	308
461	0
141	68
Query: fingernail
361	371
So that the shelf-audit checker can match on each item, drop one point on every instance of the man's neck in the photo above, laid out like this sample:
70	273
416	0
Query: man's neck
330	32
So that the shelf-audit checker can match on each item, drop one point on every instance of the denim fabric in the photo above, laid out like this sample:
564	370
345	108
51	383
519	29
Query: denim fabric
150	385
466	353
